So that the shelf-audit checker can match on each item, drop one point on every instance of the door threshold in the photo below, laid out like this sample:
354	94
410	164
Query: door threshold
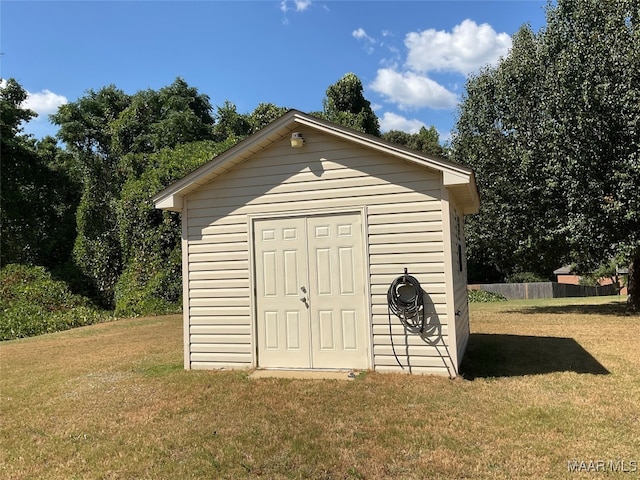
333	374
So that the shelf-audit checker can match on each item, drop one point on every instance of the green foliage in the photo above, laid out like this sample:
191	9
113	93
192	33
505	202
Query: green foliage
109	134
480	296
526	277
345	104
32	303
151	239
264	114
425	141
552	134
37	195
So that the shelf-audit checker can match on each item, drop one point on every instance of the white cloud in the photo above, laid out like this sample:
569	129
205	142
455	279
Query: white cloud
393	121
44	102
410	90
300	5
368	41
465	49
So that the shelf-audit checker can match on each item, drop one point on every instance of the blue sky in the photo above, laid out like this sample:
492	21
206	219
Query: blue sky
412	57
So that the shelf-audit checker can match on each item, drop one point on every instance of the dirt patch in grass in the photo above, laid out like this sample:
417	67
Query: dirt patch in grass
543	388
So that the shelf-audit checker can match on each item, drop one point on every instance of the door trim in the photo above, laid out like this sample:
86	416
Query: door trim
252	218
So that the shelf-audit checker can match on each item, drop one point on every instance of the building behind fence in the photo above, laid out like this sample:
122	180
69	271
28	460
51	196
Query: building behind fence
514	291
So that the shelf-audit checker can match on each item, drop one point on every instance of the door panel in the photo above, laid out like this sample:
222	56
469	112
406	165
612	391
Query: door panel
281	264
320	260
339	337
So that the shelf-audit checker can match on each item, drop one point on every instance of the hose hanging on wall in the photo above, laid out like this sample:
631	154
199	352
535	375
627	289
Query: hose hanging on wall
405	300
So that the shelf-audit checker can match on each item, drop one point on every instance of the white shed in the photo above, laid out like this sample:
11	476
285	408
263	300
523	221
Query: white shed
289	252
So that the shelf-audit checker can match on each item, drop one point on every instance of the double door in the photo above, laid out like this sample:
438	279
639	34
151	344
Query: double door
310	292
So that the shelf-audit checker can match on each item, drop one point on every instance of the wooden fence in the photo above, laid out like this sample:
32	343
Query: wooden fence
544	290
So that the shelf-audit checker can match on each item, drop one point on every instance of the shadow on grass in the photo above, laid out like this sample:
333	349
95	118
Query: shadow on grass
495	355
616	308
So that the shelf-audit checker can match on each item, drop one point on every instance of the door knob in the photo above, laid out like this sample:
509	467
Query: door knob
303	299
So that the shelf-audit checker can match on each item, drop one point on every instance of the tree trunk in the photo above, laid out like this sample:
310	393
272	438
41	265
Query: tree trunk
633	286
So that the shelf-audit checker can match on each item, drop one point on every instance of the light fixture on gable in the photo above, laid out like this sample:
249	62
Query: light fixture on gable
297	141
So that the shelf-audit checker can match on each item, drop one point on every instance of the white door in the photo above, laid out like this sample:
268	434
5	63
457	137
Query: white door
310	292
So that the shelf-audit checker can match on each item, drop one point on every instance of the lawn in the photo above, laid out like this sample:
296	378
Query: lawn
547	387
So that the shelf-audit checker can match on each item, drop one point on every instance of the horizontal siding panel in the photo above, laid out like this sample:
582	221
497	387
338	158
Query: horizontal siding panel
219	275
430	206
405	255
219	292
198	239
292	180
390	365
269	168
424	279
220	302
424	358
436	299
319	195
400	334
405	228
219	311
229	283
414	268
220	348
370	199
218	256
224	339
221	357
218	229
221	320
414	217
220	330
218	365
430	288
217	247
393	238
383	309
202	216
422	247
307	182
230	265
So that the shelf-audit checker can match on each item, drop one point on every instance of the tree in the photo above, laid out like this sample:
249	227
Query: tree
345	104
425	141
37	195
264	114
230	124
111	134
552	133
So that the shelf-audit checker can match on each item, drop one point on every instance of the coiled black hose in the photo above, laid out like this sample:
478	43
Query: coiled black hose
405	298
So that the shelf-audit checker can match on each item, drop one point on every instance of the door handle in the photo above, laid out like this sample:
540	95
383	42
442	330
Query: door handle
303	297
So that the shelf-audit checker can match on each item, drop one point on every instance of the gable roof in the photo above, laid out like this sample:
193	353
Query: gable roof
459	179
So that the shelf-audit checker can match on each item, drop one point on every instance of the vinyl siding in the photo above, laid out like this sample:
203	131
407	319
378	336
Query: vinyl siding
461	300
403	229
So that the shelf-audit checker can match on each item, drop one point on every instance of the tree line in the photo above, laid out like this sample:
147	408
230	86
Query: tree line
552	133
83	210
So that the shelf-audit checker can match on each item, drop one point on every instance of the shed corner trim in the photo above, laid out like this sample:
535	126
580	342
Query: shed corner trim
173	203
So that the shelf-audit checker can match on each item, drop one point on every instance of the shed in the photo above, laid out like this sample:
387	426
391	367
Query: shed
288	253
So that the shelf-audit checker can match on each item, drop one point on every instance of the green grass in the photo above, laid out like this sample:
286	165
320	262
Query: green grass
545	383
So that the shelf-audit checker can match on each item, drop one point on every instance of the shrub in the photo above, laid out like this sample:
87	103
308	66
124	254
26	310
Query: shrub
33	303
480	296
526	277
